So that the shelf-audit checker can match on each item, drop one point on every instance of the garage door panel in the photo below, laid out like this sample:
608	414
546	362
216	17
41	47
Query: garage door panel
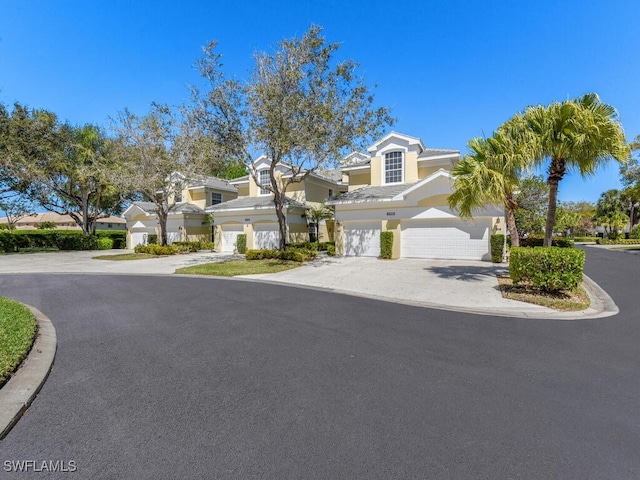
265	236
362	239
446	239
230	237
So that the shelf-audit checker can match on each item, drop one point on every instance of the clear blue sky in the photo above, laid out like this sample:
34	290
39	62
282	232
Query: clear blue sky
450	70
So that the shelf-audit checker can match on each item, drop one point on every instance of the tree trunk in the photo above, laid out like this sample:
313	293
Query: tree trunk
86	229
162	220
278	201
510	206
556	172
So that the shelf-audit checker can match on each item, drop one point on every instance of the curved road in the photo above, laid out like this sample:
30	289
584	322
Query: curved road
173	377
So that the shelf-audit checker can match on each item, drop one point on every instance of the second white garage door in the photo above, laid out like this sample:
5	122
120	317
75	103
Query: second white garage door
445	238
362	239
265	235
230	237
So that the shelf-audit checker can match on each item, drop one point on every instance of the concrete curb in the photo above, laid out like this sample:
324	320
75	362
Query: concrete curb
18	393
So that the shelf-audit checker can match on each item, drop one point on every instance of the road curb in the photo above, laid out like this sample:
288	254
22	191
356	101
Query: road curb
18	393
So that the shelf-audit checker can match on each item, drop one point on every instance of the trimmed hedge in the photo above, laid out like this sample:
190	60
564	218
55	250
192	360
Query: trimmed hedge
105	243
549	268
497	247
331	250
60	239
241	243
294	254
634	234
585	239
386	244
316	247
155	249
537	241
152	239
620	241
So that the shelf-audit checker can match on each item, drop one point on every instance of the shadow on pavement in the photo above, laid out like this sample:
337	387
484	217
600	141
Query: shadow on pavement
468	273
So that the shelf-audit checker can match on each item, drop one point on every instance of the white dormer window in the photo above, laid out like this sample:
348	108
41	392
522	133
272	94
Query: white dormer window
265	179
393	167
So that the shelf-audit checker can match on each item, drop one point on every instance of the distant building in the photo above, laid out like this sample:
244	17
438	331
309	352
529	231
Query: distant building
65	222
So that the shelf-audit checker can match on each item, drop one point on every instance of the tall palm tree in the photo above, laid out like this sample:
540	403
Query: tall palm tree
490	173
575	134
316	214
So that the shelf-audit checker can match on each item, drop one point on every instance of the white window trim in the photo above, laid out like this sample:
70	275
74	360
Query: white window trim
260	191
211	194
403	155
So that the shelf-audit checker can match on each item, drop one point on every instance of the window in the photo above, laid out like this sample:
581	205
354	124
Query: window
393	167
330	192
178	197
265	179
216	198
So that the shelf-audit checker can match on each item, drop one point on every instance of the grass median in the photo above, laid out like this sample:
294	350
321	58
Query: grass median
233	268
17	332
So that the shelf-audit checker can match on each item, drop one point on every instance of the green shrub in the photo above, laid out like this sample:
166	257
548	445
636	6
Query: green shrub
549	268
634	234
7	242
386	244
77	242
105	243
331	250
187	246
241	243
584	239
119	237
155	249
294	254
152	238
305	245
497	247
538	241
207	246
620	241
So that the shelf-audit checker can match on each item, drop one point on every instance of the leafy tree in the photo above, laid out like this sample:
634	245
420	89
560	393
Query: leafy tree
15	209
585	213
158	156
232	169
48	225
490	173
300	107
575	134
610	212
532	198
566	221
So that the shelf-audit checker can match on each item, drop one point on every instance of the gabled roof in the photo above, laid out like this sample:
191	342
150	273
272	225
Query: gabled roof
213	182
433	153
385	193
249	203
407	138
182	207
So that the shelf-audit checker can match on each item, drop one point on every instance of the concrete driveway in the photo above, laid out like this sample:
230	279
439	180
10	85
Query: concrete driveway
467	286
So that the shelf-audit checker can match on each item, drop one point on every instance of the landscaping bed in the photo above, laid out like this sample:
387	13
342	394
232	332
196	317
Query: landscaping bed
233	268
565	301
17	332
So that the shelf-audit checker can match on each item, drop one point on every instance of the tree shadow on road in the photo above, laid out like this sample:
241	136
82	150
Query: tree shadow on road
468	273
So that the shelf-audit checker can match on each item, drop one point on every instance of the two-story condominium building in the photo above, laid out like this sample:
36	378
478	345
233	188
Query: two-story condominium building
401	186
253	212
187	220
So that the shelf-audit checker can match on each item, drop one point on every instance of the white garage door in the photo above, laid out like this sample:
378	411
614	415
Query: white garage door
445	238
362	239
230	237
138	238
265	235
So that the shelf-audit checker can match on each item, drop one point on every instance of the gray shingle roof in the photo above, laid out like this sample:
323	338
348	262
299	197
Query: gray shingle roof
246	203
371	193
182	207
434	152
213	182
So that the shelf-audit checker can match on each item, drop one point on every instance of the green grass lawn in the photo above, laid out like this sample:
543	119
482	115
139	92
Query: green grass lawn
232	268
17	331
125	256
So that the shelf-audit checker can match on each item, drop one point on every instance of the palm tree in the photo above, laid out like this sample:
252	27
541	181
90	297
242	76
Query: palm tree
575	134
490	173
317	214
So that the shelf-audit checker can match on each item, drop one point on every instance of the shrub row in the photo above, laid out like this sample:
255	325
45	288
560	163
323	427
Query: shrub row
155	249
620	241
316	247
635	232
61	239
549	268
386	244
295	254
192	246
537	241
585	239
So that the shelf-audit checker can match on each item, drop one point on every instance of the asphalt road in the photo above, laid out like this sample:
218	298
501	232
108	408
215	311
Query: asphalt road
172	377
